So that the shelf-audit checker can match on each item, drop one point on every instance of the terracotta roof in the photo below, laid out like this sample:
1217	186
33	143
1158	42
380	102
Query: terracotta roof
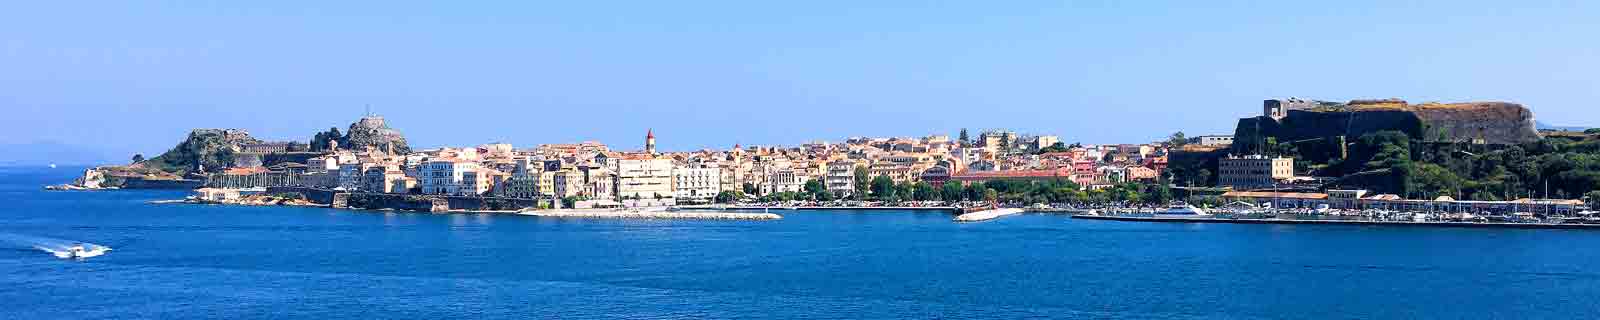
244	171
1015	174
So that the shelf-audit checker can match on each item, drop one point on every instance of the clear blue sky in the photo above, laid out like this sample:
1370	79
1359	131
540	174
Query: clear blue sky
136	76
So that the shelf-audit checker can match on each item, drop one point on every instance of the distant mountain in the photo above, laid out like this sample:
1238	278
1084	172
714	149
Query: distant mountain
45	153
1545	126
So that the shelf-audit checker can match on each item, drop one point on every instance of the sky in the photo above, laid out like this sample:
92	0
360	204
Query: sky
125	77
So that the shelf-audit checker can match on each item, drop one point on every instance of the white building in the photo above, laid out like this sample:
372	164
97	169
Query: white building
841	179
1216	140
698	185
352	176
444	176
784	180
644	181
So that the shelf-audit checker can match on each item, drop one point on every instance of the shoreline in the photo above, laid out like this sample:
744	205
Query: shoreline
654	215
815	208
1435	224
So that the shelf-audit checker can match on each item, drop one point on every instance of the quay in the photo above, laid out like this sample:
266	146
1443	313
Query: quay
631	214
1503	225
988	214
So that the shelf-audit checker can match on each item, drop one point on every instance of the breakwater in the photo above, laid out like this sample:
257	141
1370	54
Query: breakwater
1503	225
630	214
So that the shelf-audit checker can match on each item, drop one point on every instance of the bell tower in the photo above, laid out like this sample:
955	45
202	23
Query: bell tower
650	142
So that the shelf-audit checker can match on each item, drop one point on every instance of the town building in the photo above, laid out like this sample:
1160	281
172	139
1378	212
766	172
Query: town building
643	180
445	176
697	184
841	178
1212	140
1253	171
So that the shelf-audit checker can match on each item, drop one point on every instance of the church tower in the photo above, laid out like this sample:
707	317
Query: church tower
650	142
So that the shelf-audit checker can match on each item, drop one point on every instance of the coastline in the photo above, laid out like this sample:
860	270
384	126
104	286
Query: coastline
1436	224
860	208
648	214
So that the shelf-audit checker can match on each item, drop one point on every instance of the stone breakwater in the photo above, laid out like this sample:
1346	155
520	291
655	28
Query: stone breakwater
626	214
988	214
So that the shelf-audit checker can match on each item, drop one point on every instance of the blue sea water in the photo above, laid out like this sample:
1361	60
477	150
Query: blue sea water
190	261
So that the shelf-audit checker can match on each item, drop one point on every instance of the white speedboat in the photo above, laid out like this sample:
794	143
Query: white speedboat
1181	211
79	251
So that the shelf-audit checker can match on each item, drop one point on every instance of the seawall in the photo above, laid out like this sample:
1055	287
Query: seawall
408	202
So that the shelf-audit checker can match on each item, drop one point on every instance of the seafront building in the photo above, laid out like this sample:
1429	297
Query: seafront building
1254	171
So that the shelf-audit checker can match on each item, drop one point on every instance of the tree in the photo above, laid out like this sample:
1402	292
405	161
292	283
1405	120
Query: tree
965	139
814	189
319	142
861	181
974	191
750	188
1177	139
137	158
950	191
990	195
729	196
922	191
882	188
1592	131
1159	194
825	196
1593	198
1057	147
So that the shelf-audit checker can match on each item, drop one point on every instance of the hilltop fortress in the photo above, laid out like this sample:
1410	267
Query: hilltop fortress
1296	119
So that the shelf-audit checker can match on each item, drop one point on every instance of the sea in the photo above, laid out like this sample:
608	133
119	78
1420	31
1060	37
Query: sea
179	261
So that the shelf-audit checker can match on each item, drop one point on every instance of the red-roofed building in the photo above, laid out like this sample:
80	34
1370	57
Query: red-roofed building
968	177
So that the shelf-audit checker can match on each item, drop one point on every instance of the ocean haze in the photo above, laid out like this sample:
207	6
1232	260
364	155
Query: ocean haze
47	153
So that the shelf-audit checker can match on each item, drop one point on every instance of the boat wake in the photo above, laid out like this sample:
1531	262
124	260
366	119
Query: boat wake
65	249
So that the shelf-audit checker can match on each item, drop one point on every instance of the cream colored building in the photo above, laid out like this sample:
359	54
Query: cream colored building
644	180
444	176
1253	172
